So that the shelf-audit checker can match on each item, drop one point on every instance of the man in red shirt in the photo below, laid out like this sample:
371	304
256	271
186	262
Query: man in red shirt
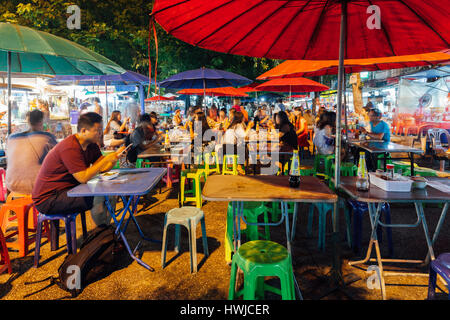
73	161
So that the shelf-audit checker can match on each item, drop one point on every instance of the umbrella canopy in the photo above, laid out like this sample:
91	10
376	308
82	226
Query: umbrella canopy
218	92
311	68
431	73
123	79
159	98
204	78
292	85
308	29
298	96
40	52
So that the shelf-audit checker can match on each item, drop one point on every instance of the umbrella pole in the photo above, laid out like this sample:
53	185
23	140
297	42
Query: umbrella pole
9	92
345	109
106	98
336	270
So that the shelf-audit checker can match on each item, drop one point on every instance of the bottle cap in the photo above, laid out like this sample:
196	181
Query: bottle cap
389	166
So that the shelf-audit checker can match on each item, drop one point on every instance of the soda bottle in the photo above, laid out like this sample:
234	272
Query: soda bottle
166	141
294	172
362	182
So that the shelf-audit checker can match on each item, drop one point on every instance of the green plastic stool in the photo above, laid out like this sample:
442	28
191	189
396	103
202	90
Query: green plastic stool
258	259
252	210
225	167
328	160
423	172
348	169
275	209
195	192
380	160
139	163
323	208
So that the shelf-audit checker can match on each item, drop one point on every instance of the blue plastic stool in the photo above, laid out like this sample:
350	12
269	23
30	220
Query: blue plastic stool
440	266
323	209
70	226
358	209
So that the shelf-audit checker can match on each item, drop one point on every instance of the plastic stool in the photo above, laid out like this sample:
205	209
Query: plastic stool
348	169
323	208
258	259
276	210
327	161
423	172
226	163
21	207
441	266
5	263
252	210
212	166
70	226
195	175
380	159
360	208
188	217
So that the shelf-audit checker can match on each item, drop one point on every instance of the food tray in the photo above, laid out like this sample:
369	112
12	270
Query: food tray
403	185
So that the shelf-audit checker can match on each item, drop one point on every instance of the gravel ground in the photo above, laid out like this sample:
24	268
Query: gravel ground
311	267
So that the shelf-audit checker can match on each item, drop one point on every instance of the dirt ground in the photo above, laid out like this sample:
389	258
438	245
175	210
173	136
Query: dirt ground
311	267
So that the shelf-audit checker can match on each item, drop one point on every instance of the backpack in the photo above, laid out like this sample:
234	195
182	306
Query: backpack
96	259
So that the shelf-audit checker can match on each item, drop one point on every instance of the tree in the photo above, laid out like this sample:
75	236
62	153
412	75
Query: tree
119	30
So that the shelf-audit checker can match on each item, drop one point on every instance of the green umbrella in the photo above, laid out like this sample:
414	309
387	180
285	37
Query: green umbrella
26	50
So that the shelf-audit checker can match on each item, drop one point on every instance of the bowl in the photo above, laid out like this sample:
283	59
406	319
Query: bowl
419	182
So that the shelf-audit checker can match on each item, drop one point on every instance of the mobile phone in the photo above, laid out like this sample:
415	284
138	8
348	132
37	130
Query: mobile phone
126	149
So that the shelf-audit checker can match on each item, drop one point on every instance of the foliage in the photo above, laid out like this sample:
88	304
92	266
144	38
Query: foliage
119	30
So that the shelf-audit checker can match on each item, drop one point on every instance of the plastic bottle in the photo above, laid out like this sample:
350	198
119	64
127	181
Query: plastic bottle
362	182
166	141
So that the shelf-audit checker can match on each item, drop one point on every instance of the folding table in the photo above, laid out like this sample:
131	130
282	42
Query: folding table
239	189
376	195
130	185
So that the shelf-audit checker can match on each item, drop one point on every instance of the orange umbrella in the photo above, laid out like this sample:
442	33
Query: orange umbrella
292	85
159	98
301	68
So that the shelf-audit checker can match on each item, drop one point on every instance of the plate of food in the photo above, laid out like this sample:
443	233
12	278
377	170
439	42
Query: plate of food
108	175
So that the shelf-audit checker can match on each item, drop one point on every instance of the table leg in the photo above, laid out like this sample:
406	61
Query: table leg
130	207
385	161
419	209
411	157
438	229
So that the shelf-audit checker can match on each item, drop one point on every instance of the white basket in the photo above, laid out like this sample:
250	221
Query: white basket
403	185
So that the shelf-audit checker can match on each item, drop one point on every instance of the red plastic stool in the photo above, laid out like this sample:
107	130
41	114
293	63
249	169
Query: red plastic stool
5	263
21	207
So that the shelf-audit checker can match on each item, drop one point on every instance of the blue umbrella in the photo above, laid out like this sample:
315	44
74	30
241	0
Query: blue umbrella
124	79
203	79
431	73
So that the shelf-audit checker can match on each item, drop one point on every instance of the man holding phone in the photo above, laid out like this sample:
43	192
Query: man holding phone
73	161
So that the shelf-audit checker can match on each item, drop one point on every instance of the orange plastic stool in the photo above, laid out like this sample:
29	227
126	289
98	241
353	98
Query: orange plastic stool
5	263
21	207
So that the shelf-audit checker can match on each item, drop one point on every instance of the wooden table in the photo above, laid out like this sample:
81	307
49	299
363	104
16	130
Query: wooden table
376	195
240	189
386	148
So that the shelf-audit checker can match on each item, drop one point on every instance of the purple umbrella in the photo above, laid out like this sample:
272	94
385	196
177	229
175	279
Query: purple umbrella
203	79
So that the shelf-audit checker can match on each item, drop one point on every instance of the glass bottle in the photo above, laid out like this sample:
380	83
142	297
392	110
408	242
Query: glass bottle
294	172
362	182
166	141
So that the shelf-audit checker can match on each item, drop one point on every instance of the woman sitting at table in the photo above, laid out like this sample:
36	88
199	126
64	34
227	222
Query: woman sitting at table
286	134
323	139
235	136
222	119
112	137
301	128
212	117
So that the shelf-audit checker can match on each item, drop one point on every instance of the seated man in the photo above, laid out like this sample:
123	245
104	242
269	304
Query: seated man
73	161
142	138
26	152
379	129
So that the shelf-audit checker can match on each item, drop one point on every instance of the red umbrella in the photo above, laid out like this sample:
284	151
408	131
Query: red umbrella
308	29
292	85
159	98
